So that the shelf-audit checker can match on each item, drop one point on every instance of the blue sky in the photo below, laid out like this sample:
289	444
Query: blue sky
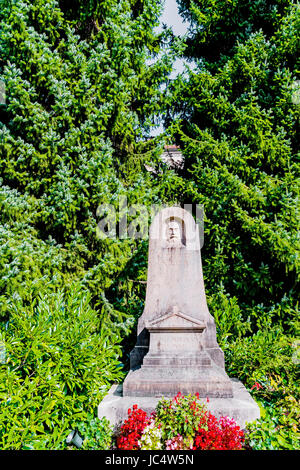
172	18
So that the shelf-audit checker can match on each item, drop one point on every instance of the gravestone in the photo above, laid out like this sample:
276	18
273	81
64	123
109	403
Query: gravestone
176	348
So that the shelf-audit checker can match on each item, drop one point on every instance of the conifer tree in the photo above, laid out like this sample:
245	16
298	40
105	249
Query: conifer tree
81	97
238	126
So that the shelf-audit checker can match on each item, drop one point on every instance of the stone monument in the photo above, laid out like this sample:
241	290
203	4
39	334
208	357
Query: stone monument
176	348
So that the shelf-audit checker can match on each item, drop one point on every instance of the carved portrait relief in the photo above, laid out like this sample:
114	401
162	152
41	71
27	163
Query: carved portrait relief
174	232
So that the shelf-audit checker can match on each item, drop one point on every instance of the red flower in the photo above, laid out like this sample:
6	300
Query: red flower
256	385
222	434
132	428
212	433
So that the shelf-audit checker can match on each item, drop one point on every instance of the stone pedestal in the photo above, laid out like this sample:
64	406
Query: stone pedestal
241	407
177	361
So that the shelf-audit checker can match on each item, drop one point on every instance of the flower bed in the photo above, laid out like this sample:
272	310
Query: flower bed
180	423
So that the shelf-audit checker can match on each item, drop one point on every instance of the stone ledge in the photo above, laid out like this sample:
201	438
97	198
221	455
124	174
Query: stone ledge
242	408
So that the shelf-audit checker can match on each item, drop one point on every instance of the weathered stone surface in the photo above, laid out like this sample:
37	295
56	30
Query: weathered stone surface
175	280
161	380
240	407
176	347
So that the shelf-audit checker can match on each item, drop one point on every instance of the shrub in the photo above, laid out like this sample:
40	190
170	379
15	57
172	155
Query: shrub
96	433
278	427
60	357
266	362
179	417
261	358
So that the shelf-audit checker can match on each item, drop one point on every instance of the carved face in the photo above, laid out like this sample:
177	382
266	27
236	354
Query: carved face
173	232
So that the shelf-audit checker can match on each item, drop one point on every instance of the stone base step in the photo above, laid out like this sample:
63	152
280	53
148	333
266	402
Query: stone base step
211	382
241	407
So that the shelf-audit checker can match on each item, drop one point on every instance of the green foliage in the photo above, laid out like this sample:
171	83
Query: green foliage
219	25
228	317
265	363
180	415
60	358
83	90
277	429
263	355
238	128
80	98
79	101
237	122
77	108
236	118
96	433
29	265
